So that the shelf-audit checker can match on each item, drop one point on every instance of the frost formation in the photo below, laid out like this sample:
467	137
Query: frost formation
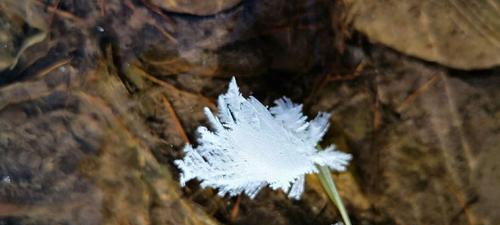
251	146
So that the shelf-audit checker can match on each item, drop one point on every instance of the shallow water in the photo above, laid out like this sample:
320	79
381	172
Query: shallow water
97	98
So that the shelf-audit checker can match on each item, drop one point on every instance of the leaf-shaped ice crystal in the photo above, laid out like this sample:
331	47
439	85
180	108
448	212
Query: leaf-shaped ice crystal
251	146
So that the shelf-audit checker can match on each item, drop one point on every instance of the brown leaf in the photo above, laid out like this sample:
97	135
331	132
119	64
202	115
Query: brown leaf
459	34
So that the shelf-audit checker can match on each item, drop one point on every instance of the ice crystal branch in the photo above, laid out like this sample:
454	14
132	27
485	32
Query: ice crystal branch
250	146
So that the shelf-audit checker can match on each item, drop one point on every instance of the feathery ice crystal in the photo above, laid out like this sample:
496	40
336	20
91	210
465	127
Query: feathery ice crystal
252	146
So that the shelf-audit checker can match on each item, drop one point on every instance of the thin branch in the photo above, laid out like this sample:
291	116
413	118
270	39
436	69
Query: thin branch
177	122
61	13
52	67
411	98
168	86
236	209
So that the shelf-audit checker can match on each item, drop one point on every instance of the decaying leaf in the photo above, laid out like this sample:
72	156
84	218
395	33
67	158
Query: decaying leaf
14	11
459	34
195	7
434	151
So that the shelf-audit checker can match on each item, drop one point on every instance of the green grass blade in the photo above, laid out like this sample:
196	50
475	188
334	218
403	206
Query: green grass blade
325	178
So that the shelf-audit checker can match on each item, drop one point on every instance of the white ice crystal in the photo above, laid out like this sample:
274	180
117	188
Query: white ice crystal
251	146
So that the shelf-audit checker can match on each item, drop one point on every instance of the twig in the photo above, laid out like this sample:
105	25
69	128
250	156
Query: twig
164	84
177	122
356	73
158	11
471	219
236	208
410	98
56	5
377	115
61	13
7	209
165	33
102	9
129	4
326	78
47	70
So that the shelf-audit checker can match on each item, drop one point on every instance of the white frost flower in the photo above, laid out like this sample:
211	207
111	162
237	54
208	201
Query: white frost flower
251	146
